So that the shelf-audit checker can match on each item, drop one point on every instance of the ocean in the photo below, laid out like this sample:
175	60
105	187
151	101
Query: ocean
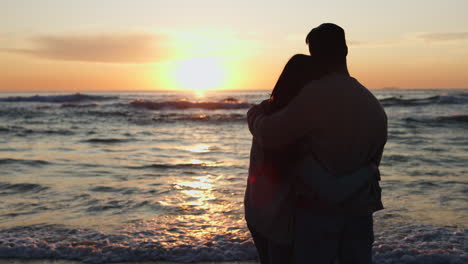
135	176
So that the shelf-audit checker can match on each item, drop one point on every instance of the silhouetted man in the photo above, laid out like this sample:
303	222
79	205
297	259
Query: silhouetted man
346	129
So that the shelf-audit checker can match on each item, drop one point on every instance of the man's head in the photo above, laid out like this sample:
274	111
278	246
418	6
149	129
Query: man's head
327	43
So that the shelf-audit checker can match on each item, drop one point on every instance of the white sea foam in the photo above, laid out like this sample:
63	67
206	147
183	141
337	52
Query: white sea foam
421	244
413	244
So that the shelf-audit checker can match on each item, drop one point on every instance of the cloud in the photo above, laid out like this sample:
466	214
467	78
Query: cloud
438	37
107	48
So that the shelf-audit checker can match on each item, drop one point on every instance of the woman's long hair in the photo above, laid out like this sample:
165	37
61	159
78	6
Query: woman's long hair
299	70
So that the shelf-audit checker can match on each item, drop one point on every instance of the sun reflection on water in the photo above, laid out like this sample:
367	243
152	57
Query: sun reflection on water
204	214
201	148
202	163
199	94
200	185
199	192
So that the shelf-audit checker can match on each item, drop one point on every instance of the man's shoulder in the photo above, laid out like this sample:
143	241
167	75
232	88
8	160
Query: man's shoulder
321	86
334	82
335	88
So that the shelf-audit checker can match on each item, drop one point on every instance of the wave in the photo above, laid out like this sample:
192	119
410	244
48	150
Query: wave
228	103
24	162
108	113
107	140
122	115
420	244
90	246
175	166
454	118
200	118
14	188
21	112
413	244
440	120
22	131
78	97
80	105
168	118
438	99
124	190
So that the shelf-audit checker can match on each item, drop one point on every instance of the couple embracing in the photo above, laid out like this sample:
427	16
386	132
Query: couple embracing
313	180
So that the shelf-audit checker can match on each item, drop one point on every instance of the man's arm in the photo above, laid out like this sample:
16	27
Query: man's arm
328	186
291	123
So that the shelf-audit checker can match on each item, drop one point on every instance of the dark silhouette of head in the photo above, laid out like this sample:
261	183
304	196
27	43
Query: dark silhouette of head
327	44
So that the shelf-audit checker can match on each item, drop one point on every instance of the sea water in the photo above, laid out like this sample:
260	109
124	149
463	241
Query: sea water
134	176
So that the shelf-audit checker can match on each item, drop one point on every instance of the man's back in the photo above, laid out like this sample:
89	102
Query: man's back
349	126
344	122
345	128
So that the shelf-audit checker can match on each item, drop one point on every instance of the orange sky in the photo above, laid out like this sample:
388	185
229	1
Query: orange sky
52	45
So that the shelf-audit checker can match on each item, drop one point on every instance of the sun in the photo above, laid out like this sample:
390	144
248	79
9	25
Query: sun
200	74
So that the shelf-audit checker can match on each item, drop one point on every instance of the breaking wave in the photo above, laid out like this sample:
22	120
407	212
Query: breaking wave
439	99
418	244
228	103
92	246
78	97
408	244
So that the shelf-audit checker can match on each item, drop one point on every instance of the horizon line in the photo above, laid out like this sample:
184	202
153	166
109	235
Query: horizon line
208	91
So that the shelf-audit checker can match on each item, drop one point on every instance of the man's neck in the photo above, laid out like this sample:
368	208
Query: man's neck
340	70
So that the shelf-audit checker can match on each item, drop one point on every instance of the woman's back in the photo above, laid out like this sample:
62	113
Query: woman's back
268	193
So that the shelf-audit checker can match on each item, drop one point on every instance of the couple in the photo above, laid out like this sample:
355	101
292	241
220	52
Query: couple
313	180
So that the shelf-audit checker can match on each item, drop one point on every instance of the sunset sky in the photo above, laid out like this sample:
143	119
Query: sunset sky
165	45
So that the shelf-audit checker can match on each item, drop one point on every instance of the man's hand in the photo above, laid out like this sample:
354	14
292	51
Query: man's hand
255	111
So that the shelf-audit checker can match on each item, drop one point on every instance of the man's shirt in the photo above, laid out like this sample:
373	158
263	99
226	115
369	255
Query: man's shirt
345	125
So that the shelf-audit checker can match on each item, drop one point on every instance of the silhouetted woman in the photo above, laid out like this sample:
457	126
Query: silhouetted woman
269	196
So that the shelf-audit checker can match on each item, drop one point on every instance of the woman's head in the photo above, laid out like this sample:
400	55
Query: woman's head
299	70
